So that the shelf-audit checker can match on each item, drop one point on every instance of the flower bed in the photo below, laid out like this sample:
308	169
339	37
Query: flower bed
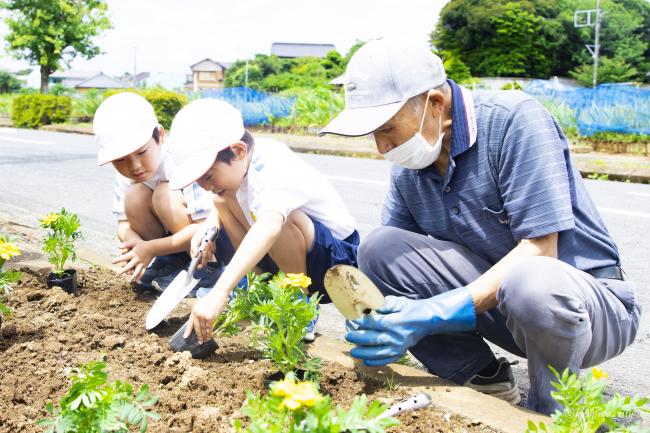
51	331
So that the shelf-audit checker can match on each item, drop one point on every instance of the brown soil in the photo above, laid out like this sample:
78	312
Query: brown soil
50	331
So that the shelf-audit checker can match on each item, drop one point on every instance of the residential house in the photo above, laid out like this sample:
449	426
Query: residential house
290	50
84	80
101	81
206	74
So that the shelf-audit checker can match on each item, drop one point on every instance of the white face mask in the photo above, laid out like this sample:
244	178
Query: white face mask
416	152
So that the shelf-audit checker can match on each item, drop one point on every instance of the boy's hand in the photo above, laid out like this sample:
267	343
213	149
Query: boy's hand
208	252
138	256
204	313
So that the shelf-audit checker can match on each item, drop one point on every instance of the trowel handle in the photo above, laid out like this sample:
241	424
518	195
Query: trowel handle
419	401
210	236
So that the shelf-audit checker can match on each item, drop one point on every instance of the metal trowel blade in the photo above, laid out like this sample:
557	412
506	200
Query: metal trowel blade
352	292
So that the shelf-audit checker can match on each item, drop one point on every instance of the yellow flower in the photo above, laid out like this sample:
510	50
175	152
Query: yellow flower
50	219
598	373
295	394
8	250
296	280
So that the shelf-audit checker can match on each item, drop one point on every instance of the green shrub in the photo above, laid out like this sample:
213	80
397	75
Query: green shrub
165	103
512	86
32	111
85	104
312	108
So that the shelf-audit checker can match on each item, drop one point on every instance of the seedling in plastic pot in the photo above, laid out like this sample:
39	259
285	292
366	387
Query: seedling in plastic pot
62	232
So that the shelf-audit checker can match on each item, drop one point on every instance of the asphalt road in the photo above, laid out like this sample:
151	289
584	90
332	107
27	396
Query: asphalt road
42	171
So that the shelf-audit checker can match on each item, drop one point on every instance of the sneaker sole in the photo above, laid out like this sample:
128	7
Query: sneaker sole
500	391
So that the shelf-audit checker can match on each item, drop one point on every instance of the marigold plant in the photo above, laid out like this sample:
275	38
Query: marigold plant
62	232
93	405
584	408
282	322
298	407
8	250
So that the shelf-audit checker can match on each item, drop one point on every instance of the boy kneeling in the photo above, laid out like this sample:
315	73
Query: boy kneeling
274	210
153	222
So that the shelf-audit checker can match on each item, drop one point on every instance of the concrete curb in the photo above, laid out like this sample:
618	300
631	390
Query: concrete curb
473	405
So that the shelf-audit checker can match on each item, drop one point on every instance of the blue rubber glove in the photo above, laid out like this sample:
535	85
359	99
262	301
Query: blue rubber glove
383	337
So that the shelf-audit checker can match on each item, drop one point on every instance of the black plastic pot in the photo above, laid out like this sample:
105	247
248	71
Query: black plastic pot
68	282
278	375
191	344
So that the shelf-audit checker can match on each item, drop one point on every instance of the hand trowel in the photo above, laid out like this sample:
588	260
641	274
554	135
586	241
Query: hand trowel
179	288
352	292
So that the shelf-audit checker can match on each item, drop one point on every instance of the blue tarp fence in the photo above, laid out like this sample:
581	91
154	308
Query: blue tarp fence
256	107
620	108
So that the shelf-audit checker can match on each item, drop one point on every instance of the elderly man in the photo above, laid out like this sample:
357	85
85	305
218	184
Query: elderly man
488	232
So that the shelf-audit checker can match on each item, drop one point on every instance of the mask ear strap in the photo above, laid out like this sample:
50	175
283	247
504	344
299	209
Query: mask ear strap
426	104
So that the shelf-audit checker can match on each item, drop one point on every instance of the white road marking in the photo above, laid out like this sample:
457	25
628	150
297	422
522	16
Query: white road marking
357	180
624	212
601	209
24	140
9	131
642	194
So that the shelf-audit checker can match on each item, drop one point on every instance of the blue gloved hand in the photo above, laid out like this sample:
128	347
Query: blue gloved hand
383	337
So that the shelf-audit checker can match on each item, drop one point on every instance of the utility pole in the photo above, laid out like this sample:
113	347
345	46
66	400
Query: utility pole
135	64
591	18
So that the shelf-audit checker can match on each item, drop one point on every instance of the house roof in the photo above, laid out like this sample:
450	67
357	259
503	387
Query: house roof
74	74
207	65
102	81
291	49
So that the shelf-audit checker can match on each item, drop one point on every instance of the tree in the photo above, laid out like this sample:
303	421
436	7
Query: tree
624	42
8	83
609	71
454	67
538	38
47	32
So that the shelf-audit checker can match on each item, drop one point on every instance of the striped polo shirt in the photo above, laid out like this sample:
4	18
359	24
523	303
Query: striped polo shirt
515	182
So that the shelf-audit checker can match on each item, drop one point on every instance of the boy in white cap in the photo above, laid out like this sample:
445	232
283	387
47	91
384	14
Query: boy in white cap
275	210
152	221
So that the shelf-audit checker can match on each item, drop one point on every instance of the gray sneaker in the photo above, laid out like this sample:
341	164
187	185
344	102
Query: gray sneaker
500	385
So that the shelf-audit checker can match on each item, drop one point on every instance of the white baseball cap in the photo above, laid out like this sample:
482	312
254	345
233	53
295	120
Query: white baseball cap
122	124
380	79
199	132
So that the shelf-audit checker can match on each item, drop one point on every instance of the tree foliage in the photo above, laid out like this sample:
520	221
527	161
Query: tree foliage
9	83
538	38
47	32
274	74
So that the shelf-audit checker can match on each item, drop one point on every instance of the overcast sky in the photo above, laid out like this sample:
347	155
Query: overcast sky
170	35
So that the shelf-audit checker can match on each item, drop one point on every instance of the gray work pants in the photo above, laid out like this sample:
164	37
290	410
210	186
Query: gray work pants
548	311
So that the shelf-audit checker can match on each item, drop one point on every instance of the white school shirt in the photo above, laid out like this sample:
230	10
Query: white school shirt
278	180
198	201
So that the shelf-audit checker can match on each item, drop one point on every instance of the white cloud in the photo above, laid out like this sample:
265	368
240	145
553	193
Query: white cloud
170	35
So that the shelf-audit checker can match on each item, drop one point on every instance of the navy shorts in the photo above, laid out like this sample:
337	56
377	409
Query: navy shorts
326	251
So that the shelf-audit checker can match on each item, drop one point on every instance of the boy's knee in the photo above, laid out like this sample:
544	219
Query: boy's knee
161	196
300	221
138	196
